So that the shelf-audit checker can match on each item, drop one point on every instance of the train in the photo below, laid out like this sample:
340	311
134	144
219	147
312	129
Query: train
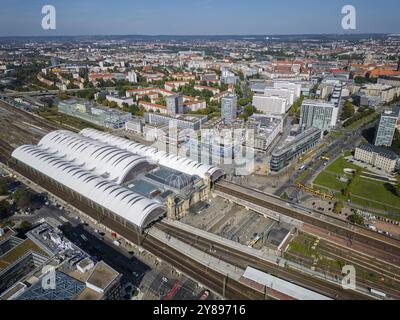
377	293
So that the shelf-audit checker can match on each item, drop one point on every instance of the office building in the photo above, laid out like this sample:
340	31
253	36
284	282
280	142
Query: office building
229	108
271	105
318	114
281	93
387	127
228	77
105	117
303	142
378	157
287	85
193	122
174	104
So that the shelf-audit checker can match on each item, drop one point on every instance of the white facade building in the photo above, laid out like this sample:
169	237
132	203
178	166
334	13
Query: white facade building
271	105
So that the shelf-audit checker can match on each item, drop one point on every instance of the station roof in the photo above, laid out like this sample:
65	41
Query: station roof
105	160
129	205
285	287
163	158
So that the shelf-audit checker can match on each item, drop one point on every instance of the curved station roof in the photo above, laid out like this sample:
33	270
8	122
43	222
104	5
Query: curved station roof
97	165
102	159
134	208
172	161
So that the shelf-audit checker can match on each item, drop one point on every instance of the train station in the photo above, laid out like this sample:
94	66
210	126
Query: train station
132	183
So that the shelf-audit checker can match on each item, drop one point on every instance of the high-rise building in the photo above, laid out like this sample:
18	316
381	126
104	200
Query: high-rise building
387	127
174	104
318	114
132	77
229	108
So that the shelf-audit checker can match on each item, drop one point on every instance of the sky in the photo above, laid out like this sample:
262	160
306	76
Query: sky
196	17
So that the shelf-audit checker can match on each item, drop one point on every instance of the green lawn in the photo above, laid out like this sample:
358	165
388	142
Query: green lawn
376	191
336	134
69	121
302	244
378	195
339	165
329	180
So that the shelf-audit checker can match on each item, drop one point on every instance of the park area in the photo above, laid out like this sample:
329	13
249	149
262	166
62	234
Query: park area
365	192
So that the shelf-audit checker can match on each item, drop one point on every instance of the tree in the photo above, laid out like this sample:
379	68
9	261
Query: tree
338	207
356	219
285	196
249	111
396	143
3	186
238	90
24	226
146	98
398	185
295	109
348	111
5	210
23	198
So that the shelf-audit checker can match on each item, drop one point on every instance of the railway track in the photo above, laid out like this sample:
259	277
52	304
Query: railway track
212	279
243	260
28	117
389	247
370	273
374	265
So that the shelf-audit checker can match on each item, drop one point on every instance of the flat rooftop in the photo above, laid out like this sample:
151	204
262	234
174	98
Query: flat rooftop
102	276
18	252
7	234
67	288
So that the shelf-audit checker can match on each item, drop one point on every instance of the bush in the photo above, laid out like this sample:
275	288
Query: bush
356	219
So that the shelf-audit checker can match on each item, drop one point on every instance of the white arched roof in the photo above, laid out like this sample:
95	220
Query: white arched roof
132	207
100	158
172	161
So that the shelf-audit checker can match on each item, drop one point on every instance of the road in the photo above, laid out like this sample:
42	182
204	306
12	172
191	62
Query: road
348	141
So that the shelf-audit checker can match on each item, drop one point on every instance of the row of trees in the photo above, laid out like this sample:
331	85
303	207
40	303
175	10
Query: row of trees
295	109
348	111
362	113
248	112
